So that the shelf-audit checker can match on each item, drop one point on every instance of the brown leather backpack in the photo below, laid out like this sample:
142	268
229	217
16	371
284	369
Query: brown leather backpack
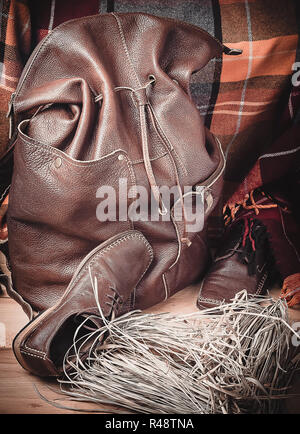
102	99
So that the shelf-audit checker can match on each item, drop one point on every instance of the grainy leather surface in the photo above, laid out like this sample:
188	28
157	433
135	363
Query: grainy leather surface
85	135
35	346
229	274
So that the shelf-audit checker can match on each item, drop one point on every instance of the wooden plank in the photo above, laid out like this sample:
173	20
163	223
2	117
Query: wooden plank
17	393
12	319
19	396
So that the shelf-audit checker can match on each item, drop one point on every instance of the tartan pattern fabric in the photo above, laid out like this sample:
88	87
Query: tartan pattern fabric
247	101
15	48
241	98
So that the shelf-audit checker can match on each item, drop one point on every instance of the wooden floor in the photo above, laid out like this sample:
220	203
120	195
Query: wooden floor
20	392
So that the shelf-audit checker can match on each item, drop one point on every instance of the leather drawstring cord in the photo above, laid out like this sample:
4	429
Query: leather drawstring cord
142	101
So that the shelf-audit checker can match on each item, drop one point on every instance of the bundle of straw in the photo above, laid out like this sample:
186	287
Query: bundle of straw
230	359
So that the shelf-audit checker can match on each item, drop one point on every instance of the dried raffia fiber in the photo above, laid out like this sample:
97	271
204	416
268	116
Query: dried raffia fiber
231	359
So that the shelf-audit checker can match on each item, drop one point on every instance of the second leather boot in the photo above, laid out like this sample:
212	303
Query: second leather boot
118	265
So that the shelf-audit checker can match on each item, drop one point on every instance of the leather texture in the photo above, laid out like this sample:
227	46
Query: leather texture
237	267
127	254
102	98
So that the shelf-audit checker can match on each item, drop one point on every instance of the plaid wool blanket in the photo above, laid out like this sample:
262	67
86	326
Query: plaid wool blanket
250	102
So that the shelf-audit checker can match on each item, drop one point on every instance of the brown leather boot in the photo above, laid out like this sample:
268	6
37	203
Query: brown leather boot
105	279
261	244
244	262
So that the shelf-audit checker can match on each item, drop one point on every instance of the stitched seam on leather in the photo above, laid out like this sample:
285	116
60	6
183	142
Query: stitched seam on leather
210	300
34	355
50	151
111	246
125	47
33	349
261	283
29	349
115	244
105	250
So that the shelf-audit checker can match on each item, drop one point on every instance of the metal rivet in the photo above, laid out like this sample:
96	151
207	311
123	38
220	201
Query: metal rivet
58	162
121	157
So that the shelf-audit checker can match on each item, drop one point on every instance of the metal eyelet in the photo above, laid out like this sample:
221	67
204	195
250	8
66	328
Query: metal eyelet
152	78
